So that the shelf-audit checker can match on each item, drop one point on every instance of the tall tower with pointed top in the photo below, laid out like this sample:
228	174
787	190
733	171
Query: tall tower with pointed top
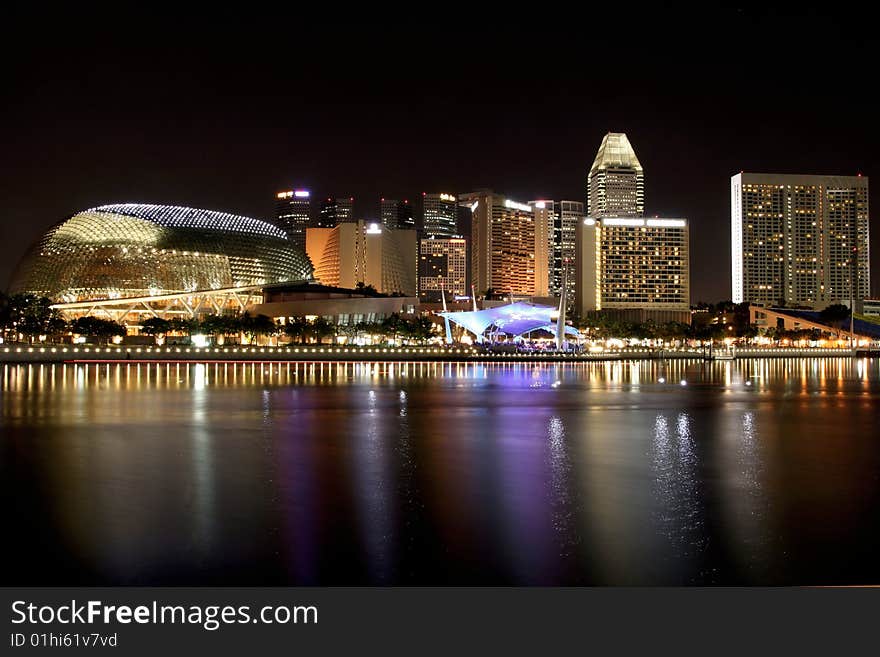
616	182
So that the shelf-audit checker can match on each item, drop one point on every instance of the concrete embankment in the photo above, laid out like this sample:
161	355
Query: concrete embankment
67	353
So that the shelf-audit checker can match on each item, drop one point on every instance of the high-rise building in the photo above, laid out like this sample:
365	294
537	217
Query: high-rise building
799	239
564	218
396	214
335	211
544	215
504	248
636	268
439	214
293	209
388	212
616	182
442	266
363	252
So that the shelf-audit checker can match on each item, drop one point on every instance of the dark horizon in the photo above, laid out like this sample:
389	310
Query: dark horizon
222	112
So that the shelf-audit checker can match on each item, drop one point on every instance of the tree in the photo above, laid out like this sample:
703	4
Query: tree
254	325
229	325
219	326
421	329
393	325
749	332
183	325
95	327
707	332
369	328
350	331
646	330
297	328
742	326
673	331
366	289
30	315
322	328
155	326
5	317
835	315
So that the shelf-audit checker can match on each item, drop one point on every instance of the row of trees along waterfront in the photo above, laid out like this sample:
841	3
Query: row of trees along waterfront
32	317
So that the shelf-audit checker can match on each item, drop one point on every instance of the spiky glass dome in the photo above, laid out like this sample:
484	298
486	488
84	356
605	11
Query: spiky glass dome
136	250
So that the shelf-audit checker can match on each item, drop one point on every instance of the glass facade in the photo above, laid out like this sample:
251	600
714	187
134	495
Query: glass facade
134	250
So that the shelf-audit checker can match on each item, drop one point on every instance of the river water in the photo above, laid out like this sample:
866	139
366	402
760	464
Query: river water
656	473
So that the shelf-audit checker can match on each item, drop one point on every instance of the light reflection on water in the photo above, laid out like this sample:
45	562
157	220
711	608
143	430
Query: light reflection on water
759	471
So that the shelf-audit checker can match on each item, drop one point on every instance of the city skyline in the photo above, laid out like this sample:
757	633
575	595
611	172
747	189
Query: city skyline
68	148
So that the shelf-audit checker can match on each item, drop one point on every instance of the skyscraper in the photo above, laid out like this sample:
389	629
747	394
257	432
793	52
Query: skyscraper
799	239
396	214
544	215
335	211
503	244
636	268
616	182
388	212
439	214
293	213
564	217
405	217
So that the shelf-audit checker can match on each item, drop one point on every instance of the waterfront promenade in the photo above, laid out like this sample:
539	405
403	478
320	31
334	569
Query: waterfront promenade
452	353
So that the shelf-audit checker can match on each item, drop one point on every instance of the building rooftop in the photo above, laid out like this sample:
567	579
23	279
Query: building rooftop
615	152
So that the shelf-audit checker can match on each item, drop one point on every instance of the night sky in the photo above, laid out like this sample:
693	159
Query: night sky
221	111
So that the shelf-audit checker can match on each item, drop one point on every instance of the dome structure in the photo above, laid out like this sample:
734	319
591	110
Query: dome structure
136	250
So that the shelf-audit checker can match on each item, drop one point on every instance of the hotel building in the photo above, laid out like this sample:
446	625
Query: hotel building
509	252
358	251
636	268
799	240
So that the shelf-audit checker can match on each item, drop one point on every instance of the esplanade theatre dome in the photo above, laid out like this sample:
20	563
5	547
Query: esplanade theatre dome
136	250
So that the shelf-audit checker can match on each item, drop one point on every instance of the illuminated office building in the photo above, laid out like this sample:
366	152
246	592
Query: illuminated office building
293	214
335	211
364	252
615	182
396	214
505	246
439	214
564	217
799	240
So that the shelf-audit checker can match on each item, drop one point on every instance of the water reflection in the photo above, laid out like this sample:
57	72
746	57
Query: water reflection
678	512
757	471
373	486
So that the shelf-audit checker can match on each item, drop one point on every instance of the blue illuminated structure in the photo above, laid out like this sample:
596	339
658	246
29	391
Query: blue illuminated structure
514	319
